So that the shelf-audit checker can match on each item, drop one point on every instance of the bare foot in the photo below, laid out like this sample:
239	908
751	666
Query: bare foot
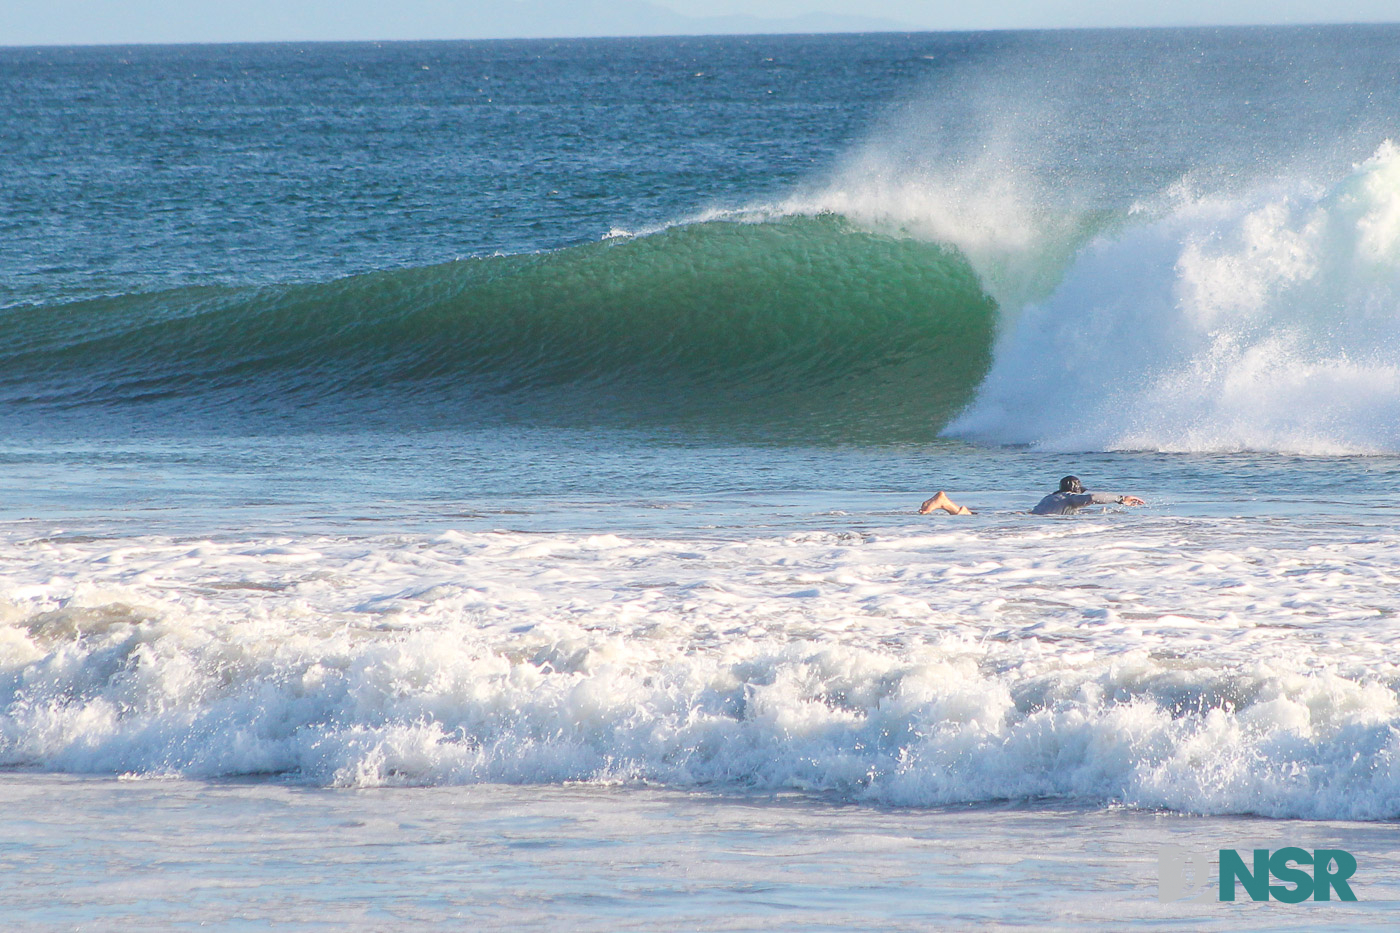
940	500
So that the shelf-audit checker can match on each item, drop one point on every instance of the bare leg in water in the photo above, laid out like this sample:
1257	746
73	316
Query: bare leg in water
941	501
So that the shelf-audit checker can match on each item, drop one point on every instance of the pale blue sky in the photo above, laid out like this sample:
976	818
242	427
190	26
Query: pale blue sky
44	22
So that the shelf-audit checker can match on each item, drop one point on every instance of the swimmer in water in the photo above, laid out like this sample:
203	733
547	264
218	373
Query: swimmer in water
1070	498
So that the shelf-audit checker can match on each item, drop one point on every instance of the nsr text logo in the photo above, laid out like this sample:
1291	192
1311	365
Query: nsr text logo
1330	870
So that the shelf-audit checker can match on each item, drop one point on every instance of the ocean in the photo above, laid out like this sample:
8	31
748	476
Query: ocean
474	484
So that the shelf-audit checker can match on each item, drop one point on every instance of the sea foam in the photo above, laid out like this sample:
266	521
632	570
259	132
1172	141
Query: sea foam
1264	321
911	667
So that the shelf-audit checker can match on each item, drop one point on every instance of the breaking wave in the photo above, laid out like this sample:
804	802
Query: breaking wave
1267	322
884	308
884	672
806	322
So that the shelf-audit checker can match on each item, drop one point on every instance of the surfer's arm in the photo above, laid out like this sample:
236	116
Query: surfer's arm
1109	498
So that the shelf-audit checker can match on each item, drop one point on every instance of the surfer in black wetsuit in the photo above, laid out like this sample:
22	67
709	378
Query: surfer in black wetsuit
1070	498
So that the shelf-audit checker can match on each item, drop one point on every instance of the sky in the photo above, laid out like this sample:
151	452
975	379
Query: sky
81	22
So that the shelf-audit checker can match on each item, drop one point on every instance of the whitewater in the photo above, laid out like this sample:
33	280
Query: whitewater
911	666
516	446
1258	322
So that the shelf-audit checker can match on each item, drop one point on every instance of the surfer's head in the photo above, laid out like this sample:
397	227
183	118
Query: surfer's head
1071	484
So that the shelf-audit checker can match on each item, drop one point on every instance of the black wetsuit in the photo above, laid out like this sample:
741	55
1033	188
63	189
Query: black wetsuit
1067	503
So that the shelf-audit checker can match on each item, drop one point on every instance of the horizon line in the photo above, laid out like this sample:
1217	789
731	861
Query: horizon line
715	35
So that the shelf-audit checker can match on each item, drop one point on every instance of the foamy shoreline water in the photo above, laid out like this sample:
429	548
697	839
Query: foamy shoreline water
495	857
1203	666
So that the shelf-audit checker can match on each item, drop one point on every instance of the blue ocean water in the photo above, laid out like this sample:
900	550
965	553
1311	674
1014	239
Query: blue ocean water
464	424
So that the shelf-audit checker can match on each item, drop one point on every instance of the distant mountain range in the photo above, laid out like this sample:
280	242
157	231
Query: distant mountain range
64	22
529	19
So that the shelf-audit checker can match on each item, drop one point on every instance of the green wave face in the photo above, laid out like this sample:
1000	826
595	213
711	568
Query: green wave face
803	327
